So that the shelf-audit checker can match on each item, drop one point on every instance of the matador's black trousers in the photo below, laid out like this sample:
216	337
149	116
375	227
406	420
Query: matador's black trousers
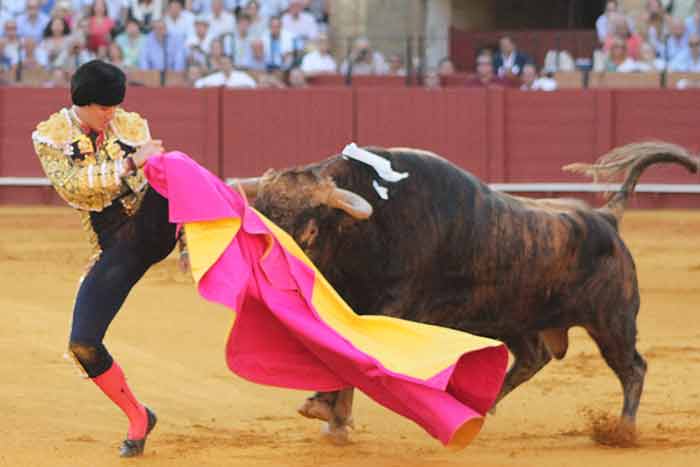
130	245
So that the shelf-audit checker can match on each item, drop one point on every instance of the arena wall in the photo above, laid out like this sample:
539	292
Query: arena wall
502	136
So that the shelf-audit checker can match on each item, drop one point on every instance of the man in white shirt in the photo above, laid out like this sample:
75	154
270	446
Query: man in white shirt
320	60
220	21
270	8
198	44
279	45
32	23
237	45
688	60
531	82
300	24
178	21
228	77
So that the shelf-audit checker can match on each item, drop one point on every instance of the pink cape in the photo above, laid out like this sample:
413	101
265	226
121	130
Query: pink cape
293	331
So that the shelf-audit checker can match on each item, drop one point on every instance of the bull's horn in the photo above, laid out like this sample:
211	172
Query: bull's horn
351	203
249	185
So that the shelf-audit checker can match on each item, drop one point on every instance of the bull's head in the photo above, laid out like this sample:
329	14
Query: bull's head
306	204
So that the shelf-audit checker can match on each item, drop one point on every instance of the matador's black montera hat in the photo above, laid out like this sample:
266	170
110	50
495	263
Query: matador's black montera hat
98	82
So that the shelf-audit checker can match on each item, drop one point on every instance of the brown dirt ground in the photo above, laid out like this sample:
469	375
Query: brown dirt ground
171	344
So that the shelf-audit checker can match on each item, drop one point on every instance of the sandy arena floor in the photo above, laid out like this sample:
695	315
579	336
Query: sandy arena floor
171	344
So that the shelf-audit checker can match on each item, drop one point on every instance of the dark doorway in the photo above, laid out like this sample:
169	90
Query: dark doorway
528	14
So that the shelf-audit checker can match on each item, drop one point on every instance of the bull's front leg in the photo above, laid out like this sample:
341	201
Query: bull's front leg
335	408
319	406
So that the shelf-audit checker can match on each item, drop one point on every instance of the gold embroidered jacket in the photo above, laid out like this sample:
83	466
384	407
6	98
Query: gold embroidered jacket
88	177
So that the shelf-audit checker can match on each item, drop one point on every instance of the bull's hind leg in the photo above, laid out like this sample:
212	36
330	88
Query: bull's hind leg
617	344
531	355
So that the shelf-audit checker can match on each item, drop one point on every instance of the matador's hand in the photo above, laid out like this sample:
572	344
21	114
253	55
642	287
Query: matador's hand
151	148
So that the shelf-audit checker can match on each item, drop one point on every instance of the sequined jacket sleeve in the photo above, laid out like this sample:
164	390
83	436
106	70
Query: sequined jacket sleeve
84	185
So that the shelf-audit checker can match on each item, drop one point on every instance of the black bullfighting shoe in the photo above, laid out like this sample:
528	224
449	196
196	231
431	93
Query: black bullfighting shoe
134	447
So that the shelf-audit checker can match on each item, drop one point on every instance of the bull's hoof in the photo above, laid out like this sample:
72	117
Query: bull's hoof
315	408
336	434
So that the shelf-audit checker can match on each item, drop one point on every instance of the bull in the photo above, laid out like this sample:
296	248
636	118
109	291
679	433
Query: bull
441	247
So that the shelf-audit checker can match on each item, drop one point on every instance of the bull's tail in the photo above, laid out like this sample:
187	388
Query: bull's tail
632	160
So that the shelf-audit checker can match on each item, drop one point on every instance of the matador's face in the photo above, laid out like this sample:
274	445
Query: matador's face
97	116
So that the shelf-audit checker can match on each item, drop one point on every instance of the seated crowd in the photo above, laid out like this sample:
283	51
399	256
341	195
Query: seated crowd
283	43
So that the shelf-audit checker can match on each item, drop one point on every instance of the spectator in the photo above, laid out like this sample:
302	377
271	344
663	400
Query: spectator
75	55
178	21
431	80
199	43
99	26
296	78
4	17
319	8
256	61
396	67
258	24
654	20
194	73
363	60
145	13
227	76
270	8
63	10
220	21
532	82
270	81
14	8
56	39
689	59
118	11
485	75
162	51
59	79
216	53
676	42
81	7
445	67
692	22
602	24
319	61
300	24
509	61
237	45
32	23
279	45
618	60
620	29
33	57
12	43
559	60
131	42
115	56
680	8
5	62
648	61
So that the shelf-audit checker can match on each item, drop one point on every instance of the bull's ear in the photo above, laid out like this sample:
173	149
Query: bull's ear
351	203
248	185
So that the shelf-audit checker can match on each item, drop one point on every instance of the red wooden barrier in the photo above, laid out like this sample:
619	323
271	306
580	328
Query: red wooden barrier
21	109
449	122
282	128
672	116
500	135
544	131
185	119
